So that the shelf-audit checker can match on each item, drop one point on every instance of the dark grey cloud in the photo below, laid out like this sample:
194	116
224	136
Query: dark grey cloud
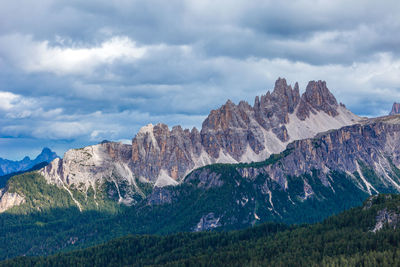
258	28
77	72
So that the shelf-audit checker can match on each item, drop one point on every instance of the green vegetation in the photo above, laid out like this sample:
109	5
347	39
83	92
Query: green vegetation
289	205
395	170
37	193
342	240
5	178
49	221
238	203
374	179
269	161
41	196
144	187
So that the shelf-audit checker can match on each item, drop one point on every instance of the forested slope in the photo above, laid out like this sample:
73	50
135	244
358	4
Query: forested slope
363	236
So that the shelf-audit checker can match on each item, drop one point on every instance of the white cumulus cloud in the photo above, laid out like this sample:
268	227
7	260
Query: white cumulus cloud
39	56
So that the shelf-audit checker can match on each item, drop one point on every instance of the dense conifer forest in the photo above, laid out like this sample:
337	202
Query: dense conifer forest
346	239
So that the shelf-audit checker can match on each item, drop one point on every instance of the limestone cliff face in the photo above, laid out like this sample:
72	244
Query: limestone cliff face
87	165
91	166
238	133
158	152
9	200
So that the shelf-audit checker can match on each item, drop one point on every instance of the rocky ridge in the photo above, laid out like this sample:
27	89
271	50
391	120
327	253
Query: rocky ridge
373	144
92	166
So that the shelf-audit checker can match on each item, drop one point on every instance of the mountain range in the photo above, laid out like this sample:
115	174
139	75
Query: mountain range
230	134
288	158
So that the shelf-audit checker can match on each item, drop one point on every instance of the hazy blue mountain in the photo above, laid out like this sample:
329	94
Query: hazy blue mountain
4	178
10	166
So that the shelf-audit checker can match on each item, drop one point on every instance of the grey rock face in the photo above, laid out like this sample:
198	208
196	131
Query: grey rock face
343	149
385	217
207	222
273	109
156	147
92	166
395	109
9	200
317	97
227	129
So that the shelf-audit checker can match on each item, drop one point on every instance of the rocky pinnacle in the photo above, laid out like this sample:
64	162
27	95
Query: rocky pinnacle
395	109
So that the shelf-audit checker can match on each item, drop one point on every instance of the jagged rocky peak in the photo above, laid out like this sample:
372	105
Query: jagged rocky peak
46	155
227	116
226	129
285	95
237	133
273	108
317	97
395	109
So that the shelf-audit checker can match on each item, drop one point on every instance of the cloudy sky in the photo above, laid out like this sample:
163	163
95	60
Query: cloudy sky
74	73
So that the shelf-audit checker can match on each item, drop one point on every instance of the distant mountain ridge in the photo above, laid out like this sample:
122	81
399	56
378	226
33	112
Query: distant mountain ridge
5	178
10	166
